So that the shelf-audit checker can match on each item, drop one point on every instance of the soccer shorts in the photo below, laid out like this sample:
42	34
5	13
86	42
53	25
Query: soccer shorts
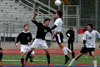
85	50
26	48
59	38
39	42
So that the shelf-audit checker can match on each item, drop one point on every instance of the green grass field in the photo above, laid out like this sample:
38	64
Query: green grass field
55	59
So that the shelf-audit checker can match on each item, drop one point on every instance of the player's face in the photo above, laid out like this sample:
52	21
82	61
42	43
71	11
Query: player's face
26	28
88	27
56	15
47	22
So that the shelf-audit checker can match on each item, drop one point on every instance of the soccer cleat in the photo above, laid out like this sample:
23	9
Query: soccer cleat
50	65
66	59
69	66
73	54
31	60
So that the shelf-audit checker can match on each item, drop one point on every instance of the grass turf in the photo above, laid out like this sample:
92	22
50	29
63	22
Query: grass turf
55	59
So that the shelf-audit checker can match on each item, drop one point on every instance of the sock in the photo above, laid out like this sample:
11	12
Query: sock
28	55
68	50
73	60
64	50
22	61
95	63
48	58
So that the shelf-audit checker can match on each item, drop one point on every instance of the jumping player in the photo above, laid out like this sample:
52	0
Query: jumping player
89	38
25	38
57	29
42	30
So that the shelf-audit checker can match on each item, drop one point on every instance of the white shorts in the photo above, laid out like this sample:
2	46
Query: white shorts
26	48
39	42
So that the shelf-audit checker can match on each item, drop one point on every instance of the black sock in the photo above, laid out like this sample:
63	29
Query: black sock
67	58
28	55
48	58
22	61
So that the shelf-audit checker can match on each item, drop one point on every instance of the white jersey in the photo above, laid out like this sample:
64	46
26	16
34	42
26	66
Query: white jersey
58	23
90	38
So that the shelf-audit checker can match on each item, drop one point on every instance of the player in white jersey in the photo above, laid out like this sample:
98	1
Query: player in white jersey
89	39
57	29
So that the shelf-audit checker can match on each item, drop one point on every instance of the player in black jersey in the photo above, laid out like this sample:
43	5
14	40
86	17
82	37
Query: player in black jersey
24	38
42	30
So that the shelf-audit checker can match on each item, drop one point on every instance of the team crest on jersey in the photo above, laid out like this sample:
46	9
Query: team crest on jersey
45	30
28	38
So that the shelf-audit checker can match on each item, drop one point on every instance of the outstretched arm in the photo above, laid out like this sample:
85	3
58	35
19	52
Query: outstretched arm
34	20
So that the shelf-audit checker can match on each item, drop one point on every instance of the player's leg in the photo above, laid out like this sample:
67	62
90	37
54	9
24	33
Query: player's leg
73	60
45	47
32	54
94	59
83	51
34	45
29	54
72	45
23	50
59	38
47	55
22	58
68	44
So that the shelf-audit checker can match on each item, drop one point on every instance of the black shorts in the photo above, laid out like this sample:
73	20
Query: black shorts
59	38
85	50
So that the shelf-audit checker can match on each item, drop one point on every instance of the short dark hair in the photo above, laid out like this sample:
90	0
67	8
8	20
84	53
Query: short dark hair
59	13
46	19
25	25
90	25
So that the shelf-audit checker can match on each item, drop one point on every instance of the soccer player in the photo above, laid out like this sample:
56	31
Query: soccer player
25	38
89	38
57	29
42	30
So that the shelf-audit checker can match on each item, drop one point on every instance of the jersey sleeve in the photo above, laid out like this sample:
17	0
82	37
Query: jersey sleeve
98	34
30	37
84	36
36	23
18	38
57	22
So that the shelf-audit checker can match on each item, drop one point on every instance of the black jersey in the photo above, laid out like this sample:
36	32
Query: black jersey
41	30
24	38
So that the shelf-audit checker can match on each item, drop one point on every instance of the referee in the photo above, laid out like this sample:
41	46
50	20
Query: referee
24	38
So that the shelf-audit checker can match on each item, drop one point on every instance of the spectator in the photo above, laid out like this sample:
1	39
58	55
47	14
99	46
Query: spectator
71	35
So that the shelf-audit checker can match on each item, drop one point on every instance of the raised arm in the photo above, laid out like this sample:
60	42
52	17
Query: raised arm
34	20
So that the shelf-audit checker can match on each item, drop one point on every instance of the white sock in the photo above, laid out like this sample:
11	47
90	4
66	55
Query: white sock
65	51
68	50
95	63
73	60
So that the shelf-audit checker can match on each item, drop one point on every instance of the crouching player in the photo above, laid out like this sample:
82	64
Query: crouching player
89	38
42	30
25	38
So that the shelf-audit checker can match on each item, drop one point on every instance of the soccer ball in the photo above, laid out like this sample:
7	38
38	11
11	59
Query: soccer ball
57	2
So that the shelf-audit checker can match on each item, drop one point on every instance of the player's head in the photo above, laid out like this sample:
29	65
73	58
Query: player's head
58	14
89	27
46	21
71	28
26	27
